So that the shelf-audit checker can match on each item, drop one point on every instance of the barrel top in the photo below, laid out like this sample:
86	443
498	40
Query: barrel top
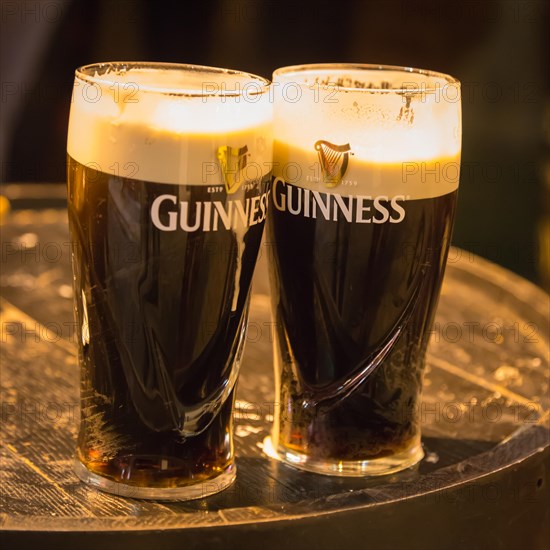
484	406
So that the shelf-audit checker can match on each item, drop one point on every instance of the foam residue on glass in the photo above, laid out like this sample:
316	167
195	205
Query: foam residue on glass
407	136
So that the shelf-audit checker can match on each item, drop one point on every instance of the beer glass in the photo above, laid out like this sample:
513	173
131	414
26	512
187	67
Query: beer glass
366	169
168	173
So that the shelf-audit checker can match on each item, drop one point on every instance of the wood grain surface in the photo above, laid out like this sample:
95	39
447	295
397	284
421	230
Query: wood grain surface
484	408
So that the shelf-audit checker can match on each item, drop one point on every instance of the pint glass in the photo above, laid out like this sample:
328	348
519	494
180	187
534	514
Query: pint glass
366	169
168	172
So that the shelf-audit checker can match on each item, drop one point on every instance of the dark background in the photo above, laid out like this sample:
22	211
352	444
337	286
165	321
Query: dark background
498	49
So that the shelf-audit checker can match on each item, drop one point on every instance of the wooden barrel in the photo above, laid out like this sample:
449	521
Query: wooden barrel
484	482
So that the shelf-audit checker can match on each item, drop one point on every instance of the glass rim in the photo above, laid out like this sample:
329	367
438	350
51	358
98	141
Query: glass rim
372	67
93	73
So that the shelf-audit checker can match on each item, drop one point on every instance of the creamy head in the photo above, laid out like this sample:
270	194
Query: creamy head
402	130
166	124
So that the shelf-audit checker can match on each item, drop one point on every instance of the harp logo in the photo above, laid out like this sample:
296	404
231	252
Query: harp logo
333	160
232	163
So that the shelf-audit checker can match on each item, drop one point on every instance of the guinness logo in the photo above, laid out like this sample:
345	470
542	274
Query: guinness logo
232	162
333	160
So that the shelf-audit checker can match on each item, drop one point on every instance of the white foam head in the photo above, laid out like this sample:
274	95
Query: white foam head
391	117
165	122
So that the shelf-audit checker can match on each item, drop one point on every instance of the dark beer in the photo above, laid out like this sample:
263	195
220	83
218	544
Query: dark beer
163	312
168	174
345	292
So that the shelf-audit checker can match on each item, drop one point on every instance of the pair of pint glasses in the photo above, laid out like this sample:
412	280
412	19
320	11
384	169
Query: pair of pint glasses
173	171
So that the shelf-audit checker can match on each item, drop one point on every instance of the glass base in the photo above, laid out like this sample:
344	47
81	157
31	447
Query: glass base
353	468
188	492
